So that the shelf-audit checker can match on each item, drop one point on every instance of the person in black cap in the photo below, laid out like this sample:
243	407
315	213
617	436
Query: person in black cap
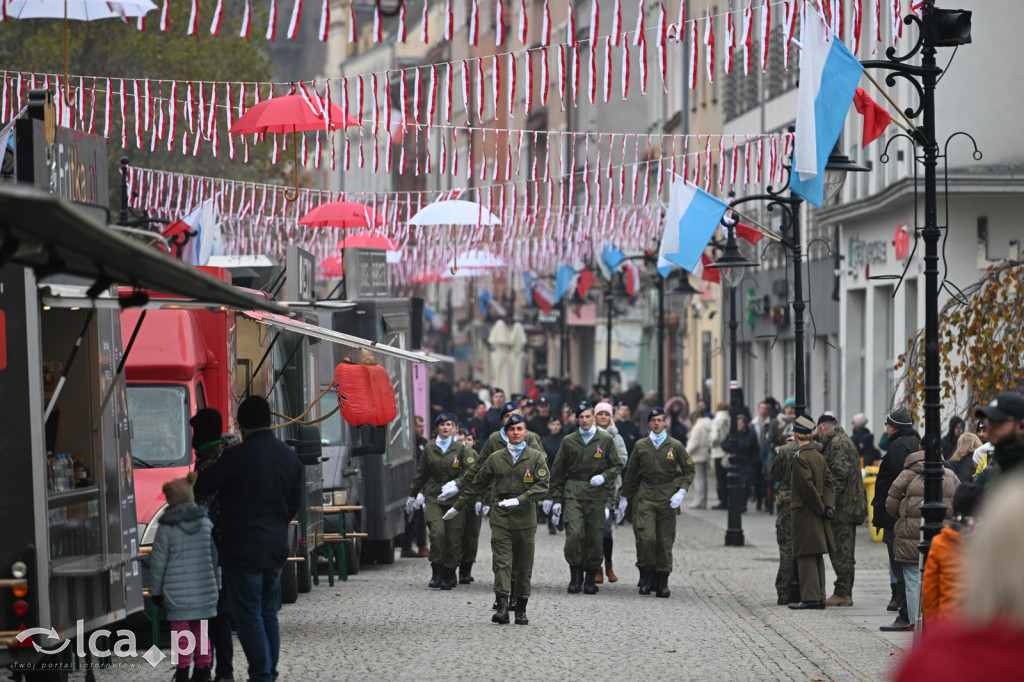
660	472
812	508
538	423
471	530
1005	428
492	418
583	490
209	442
517	478
443	459
903	440
552	440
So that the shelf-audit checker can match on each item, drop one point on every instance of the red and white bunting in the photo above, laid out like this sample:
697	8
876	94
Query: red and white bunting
625	70
575	73
449	21
272	21
325	20
165	16
474	22
218	17
402	32
766	26
511	81
523	22
616	34
730	41
607	68
876	14
642	60
465	89
855	48
545	27
748	29
528	73
480	87
595	23
561	77
592	74
378	29
545	77
694	49
788	25
709	43
570	24
293	23
495	86
499	23
424	21
449	77
193	18
662	44
641	15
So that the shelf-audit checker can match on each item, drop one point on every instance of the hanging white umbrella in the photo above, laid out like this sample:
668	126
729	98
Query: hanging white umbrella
79	10
475	263
517	357
499	340
454	212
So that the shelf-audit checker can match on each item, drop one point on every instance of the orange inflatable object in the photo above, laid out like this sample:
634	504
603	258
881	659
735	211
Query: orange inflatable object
365	394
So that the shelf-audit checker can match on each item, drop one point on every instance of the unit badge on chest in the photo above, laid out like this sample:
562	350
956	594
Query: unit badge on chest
527	476
671	455
597	453
455	461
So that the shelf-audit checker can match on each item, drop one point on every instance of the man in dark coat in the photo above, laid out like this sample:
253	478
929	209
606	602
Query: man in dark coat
812	508
1005	415
902	440
259	485
493	417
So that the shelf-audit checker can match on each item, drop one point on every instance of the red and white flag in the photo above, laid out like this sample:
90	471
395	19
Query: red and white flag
748	20
293	23
730	41
616	34
766	25
709	43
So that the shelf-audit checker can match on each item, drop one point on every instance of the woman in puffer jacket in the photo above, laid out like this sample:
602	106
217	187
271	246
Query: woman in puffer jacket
904	503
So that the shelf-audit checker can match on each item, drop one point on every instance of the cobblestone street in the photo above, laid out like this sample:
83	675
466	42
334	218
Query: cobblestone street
721	622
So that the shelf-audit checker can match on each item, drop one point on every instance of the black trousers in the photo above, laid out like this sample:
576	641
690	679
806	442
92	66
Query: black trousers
889	537
721	485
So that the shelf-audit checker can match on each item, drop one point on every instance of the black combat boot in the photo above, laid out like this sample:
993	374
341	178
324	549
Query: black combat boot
435	576
894	603
200	675
662	586
466	573
589	582
501	615
448	579
180	675
575	580
646	578
521	618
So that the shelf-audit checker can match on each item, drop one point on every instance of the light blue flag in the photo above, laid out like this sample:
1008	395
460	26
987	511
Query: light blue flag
563	281
699	215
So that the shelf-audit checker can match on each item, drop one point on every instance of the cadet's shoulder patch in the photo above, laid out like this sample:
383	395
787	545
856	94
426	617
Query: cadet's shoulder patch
470	459
542	472
689	460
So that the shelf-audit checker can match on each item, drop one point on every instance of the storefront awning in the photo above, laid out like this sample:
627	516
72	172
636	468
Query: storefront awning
51	235
337	337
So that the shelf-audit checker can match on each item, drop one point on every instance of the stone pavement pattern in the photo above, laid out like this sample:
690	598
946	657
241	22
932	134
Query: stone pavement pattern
721	622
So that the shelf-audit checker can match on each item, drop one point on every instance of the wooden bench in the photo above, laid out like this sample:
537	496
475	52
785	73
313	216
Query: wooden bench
333	545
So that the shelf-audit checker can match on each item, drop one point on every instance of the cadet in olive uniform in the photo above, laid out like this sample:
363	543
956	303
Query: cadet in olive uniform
782	473
660	471
442	460
471	528
851	508
583	490
516	478
812	507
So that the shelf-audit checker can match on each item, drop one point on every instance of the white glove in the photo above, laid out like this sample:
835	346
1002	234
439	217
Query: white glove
449	489
547	506
450	514
556	513
597	480
607	513
510	502
410	504
623	503
677	499
420	502
479	506
619	515
487	510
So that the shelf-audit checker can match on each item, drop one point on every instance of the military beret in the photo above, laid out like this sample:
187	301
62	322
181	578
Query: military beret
583	407
508	407
514	419
444	417
656	412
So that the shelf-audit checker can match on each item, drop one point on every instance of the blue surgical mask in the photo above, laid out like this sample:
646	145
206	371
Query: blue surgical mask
444	444
516	451
658	438
587	435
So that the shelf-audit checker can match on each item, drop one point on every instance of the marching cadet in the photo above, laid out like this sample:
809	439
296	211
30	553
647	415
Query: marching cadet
812	507
443	459
471	529
660	471
517	477
583	489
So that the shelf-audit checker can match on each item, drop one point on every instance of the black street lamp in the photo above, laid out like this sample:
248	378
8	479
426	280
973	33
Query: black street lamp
730	265
936	28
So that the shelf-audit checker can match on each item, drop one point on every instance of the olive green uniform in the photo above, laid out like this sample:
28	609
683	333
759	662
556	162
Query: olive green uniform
471	526
812	492
851	508
583	505
436	468
782	473
513	529
653	476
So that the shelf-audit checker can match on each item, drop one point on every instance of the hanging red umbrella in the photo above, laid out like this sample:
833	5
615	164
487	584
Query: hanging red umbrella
346	215
367	240
290	114
332	267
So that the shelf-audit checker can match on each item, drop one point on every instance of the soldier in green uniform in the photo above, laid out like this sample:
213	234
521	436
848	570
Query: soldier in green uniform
781	471
583	491
851	509
517	478
660	471
443	459
471	528
811	507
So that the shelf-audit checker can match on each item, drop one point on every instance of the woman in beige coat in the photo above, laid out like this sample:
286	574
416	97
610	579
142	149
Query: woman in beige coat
699	447
904	503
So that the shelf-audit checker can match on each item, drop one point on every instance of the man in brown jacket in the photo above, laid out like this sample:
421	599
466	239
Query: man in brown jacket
812	509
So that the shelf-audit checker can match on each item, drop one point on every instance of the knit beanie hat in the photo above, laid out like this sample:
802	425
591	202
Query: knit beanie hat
179	490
